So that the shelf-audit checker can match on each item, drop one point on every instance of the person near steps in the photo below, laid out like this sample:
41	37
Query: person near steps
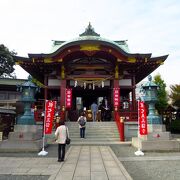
94	109
82	124
61	134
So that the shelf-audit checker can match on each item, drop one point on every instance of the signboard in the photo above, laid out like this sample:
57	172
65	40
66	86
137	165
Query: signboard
68	98
116	97
142	118
49	115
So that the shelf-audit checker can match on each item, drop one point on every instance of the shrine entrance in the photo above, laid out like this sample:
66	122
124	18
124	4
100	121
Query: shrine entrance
83	98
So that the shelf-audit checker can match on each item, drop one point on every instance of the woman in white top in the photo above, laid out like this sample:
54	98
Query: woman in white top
61	134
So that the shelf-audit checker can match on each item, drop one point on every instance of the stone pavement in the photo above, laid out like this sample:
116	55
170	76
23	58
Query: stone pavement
81	163
152	166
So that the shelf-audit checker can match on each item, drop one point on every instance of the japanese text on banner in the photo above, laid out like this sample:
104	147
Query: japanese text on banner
142	119
49	115
116	97
68	98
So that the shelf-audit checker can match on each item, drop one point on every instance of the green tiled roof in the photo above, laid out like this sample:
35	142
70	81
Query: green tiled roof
121	44
90	34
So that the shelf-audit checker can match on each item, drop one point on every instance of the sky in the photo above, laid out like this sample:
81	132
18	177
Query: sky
150	26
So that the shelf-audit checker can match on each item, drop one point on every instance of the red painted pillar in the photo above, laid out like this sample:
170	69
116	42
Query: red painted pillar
46	85
62	100
118	119
133	94
63	93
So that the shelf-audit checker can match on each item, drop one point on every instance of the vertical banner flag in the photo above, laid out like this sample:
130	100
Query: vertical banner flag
142	118
68	98
116	97
49	115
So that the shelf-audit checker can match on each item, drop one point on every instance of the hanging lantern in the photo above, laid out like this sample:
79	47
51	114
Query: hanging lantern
75	84
102	84
93	86
84	85
89	86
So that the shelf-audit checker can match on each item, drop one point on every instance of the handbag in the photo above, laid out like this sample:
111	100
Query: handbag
68	140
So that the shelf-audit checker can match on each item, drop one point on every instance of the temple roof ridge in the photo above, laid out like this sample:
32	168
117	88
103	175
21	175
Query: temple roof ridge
90	34
89	31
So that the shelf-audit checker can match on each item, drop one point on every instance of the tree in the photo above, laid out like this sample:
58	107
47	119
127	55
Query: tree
162	96
175	100
6	61
175	95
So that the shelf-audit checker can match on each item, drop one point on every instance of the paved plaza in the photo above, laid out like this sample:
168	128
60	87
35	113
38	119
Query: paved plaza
114	162
82	162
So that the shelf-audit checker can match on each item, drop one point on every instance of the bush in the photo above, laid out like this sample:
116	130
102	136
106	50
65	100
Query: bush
175	126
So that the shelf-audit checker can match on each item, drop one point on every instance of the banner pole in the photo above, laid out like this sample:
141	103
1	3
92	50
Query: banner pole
44	130
138	152
43	152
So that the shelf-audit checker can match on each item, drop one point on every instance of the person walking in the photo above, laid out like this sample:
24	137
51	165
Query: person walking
82	124
94	109
61	134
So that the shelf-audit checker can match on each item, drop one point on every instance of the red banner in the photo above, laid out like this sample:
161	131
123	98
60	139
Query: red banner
142	119
68	98
49	115
116	97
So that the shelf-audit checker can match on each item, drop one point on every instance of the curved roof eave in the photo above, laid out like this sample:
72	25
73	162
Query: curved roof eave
19	58
159	58
89	39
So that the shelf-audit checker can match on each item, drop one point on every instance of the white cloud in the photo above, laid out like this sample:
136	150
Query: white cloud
150	26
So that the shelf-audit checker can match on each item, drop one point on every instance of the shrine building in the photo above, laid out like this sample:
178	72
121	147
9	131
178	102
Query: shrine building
91	69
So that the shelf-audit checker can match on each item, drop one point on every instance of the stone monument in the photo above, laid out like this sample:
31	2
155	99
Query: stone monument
27	136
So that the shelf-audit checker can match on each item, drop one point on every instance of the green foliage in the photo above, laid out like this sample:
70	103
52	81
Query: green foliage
175	95
162	96
6	61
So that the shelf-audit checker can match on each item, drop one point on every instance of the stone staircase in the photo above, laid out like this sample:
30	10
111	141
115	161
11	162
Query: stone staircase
97	133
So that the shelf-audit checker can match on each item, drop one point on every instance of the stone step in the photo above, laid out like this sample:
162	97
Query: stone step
96	133
97	139
93	124
85	142
96	128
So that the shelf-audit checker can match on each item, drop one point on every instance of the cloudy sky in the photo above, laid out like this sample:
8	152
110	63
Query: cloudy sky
150	26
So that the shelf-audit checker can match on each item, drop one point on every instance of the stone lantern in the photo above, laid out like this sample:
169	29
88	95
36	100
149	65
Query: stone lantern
150	97
28	90
27	136
157	138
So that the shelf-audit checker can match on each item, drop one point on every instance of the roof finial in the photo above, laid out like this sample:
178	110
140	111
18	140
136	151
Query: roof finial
89	31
